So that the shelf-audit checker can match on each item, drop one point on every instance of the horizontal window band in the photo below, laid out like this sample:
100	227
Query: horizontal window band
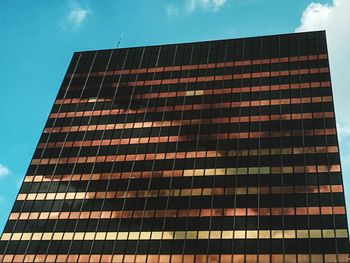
208	65
174	139
97	136
178	246
201	168
183	235
195	129
272	153
184	91
229	90
166	120
93	144
202	66
187	126
175	258
191	164
199	162
204	139
209	153
183	202
208	78
227	212
93	95
108	89
211	77
174	223
223	136
190	172
313	109
150	144
71	183
284	118
103	112
139	93
179	129
208	130
174	120
140	81
205	106
189	103
150	155
105	98
182	192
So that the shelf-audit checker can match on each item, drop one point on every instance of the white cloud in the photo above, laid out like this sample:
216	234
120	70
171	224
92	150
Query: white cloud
191	5
346	159
213	5
343	131
315	17
335	19
77	16
171	10
4	170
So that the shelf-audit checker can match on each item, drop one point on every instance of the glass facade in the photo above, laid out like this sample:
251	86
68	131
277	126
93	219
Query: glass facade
199	152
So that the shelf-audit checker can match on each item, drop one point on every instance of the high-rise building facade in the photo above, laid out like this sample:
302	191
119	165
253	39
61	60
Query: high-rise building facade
200	152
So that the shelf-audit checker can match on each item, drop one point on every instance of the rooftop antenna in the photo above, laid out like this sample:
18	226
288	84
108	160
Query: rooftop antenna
120	38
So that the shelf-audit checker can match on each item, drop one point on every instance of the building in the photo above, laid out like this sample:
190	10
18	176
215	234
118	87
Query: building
212	151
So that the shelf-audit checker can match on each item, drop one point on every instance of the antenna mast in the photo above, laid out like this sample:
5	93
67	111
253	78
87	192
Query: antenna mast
120	38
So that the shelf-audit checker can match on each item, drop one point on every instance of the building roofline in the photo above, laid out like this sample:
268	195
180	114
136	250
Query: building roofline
205	41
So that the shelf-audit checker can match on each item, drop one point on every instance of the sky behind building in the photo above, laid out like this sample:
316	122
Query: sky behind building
39	38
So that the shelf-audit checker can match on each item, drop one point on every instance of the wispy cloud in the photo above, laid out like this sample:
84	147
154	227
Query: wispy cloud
315	17
343	131
4	170
171	10
345	159
77	16
213	5
335	19
190	6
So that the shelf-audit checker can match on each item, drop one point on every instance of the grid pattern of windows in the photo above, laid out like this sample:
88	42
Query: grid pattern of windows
212	151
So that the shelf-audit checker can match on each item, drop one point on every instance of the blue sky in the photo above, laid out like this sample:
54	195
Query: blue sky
39	37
